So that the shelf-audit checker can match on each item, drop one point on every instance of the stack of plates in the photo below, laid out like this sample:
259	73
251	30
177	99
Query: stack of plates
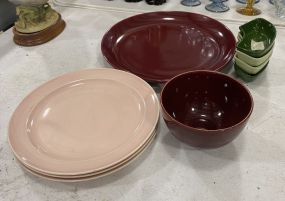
84	125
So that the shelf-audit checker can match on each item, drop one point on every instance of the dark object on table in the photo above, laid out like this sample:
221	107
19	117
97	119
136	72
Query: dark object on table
205	108
155	2
7	15
133	0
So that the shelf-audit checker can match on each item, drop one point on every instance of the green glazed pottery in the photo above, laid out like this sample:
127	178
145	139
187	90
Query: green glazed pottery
239	37
257	37
252	61
248	68
245	76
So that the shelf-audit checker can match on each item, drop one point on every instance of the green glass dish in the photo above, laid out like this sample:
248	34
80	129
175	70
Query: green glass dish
256	37
245	76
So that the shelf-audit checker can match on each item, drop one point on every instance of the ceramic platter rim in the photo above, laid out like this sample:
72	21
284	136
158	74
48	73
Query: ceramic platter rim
36	158
110	48
94	176
102	172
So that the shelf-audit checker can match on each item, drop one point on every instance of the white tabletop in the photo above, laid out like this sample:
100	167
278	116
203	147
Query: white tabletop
251	168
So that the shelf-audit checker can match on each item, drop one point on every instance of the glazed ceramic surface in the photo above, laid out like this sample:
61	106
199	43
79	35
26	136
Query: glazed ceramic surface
83	122
96	175
106	170
246	76
248	68
252	61
239	37
204	108
258	37
158	46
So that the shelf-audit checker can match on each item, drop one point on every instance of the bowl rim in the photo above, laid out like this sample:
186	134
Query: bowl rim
256	59
256	53
247	67
203	130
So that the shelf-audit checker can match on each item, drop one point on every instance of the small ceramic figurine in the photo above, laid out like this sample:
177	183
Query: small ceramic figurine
34	15
35	18
37	22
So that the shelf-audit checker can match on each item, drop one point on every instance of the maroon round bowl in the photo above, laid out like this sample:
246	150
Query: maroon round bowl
205	108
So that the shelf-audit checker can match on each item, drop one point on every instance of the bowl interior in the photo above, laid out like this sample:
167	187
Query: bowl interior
206	100
257	37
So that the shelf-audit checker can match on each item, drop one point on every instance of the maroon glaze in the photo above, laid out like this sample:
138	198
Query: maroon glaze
160	45
205	108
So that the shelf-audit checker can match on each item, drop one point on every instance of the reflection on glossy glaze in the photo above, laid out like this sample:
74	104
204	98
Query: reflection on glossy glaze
210	100
61	94
203	113
165	51
257	37
157	46
199	106
58	121
204	108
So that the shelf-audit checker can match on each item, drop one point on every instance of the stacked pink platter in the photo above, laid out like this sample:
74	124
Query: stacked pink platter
84	124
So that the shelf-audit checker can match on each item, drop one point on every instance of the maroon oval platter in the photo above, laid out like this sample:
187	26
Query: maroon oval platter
160	45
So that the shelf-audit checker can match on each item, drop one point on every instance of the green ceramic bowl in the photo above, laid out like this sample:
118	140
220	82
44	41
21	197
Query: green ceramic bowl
257	37
248	68
245	76
253	61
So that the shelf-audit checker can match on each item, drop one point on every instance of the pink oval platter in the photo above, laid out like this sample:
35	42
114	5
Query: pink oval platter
83	122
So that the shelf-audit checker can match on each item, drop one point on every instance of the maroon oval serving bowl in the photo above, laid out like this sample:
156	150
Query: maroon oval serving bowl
205	108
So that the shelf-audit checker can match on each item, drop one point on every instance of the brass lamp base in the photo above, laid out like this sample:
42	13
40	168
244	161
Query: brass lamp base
40	37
